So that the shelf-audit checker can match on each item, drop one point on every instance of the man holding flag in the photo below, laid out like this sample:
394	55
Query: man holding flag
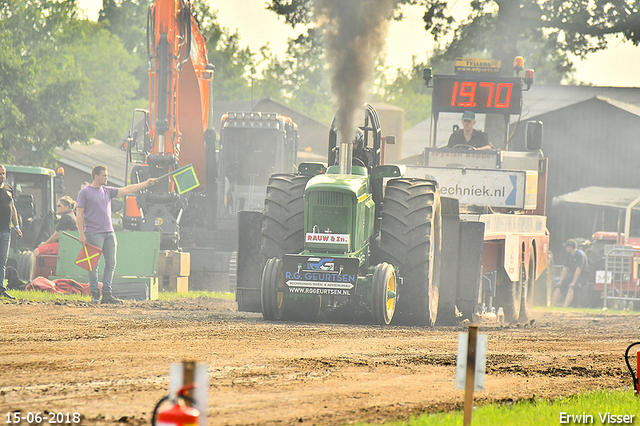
95	226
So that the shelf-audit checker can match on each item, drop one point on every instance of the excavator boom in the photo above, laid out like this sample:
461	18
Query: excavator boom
180	87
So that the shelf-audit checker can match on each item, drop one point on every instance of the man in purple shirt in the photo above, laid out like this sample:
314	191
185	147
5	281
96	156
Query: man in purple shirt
95	227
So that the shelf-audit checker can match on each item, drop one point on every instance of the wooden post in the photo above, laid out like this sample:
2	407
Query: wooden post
471	371
189	369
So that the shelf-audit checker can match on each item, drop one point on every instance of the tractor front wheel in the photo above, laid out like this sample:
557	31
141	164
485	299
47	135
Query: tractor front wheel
272	290
411	240
384	288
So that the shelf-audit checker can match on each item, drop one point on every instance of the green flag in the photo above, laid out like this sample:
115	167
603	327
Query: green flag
185	179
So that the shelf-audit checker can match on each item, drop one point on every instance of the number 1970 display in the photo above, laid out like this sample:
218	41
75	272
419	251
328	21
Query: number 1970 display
481	94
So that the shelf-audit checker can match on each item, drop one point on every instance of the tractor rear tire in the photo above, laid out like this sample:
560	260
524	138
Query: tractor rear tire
411	234
272	290
384	281
283	217
283	233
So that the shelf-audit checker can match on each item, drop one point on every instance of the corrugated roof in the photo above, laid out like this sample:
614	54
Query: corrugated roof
542	98
85	156
618	198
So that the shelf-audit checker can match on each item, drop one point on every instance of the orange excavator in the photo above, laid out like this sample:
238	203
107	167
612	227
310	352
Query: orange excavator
177	130
178	127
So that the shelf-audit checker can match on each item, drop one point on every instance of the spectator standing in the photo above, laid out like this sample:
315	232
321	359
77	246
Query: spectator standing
8	215
95	227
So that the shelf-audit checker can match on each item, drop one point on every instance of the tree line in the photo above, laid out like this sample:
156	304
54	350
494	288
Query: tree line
66	79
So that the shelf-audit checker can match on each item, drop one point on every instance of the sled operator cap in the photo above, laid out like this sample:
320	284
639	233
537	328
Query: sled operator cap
469	115
570	243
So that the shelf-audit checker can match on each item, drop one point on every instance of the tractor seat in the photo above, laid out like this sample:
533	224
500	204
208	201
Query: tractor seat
25	206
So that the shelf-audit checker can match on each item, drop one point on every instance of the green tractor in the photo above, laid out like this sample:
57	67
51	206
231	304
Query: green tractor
35	189
345	238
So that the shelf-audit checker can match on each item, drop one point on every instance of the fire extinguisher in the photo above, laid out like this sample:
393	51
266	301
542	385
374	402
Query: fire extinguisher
179	414
634	376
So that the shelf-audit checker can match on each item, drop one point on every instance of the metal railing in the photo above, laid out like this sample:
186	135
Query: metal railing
621	282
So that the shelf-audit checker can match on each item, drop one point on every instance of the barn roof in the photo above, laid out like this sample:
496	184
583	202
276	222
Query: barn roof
618	198
84	157
543	99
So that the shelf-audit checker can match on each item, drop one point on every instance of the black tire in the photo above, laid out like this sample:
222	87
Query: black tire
272	290
24	265
283	216
283	233
508	296
410	240
528	285
384	281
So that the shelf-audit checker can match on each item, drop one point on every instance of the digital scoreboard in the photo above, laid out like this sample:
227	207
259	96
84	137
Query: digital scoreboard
485	94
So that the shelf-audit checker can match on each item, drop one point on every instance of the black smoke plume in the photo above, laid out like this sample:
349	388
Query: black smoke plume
354	33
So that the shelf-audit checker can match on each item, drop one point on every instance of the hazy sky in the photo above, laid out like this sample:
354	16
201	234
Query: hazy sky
619	65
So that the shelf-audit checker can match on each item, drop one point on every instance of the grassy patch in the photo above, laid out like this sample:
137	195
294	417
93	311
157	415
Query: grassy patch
595	404
42	296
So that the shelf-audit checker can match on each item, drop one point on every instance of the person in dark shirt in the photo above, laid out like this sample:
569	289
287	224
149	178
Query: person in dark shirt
573	274
67	222
8	215
468	136
362	156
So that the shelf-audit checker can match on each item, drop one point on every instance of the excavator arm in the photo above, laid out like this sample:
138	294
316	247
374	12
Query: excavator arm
178	125
180	88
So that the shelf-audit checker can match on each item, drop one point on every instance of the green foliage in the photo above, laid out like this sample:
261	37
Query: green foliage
233	64
301	79
407	91
64	80
127	19
478	38
295	11
300	12
537	412
102	59
543	32
42	93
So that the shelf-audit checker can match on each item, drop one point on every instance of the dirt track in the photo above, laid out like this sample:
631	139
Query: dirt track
111	364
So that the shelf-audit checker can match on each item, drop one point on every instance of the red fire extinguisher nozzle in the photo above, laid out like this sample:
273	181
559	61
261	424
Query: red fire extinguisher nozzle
179	414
